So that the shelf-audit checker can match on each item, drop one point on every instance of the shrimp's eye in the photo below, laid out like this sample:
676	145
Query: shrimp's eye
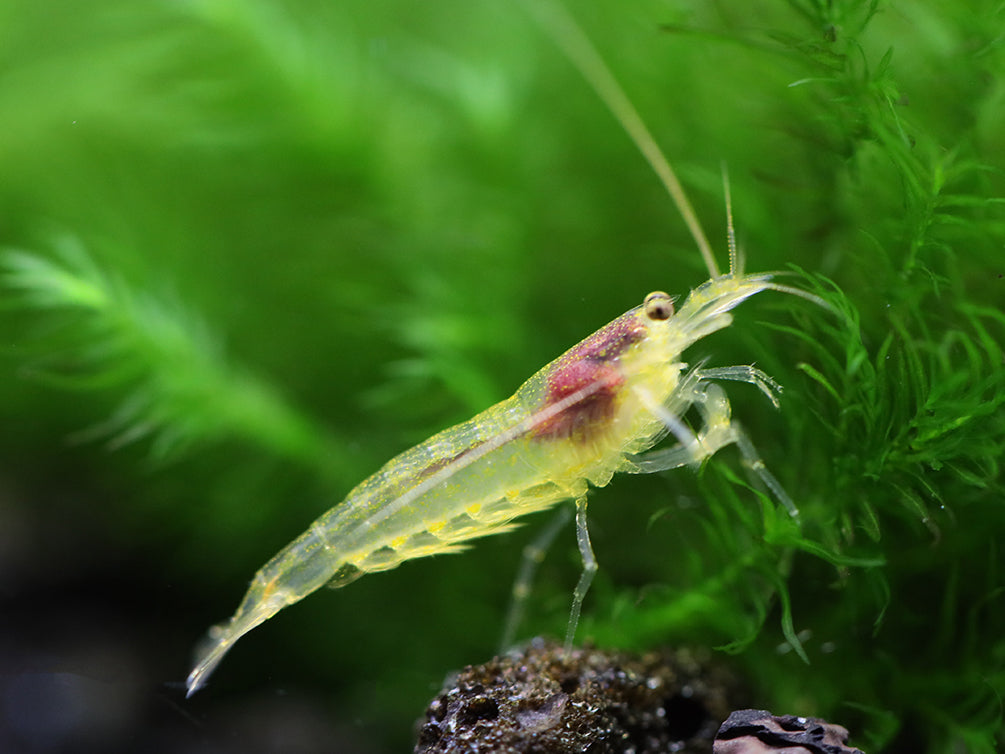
658	305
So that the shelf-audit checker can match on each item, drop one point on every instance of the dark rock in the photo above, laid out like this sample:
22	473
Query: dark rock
754	731
540	701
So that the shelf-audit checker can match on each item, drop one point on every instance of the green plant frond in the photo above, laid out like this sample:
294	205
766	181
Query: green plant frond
46	284
727	596
402	212
880	724
179	389
735	566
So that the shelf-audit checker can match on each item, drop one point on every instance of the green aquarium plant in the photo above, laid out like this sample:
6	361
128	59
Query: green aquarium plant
252	251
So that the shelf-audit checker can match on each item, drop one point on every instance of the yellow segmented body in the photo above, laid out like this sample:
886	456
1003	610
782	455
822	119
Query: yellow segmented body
592	412
575	423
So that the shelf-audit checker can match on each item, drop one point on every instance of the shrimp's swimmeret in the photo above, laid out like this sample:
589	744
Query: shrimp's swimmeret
598	409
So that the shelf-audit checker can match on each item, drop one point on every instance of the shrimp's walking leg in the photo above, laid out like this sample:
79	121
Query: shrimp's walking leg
533	555
753	462
745	373
589	569
718	431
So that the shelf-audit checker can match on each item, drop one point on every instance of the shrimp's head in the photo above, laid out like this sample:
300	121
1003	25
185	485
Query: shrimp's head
661	332
581	393
669	331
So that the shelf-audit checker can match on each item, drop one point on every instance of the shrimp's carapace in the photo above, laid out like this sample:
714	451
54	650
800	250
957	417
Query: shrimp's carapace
592	364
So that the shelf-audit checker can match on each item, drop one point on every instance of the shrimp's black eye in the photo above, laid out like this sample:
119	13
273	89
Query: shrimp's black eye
658	305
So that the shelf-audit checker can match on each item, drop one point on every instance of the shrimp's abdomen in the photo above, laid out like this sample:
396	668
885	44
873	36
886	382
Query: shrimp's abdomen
378	527
565	428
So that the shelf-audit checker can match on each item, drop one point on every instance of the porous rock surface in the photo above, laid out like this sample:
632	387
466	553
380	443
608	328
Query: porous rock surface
542	701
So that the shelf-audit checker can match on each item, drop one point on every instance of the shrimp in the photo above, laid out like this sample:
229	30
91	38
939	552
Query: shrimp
599	409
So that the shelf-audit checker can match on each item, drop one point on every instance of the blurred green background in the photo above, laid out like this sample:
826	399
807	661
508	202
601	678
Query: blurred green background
255	249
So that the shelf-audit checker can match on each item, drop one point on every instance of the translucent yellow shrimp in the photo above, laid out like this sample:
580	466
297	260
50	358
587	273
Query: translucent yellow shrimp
596	410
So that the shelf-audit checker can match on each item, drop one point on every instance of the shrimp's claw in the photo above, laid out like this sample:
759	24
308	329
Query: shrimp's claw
718	429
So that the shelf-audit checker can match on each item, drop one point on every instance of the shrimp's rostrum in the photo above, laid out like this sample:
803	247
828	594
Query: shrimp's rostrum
598	409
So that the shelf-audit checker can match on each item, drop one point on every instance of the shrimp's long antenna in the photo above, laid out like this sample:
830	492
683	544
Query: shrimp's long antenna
571	39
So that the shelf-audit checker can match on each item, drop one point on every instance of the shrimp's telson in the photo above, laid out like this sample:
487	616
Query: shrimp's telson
594	411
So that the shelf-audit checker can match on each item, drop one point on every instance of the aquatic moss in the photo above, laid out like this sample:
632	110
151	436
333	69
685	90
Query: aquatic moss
323	232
